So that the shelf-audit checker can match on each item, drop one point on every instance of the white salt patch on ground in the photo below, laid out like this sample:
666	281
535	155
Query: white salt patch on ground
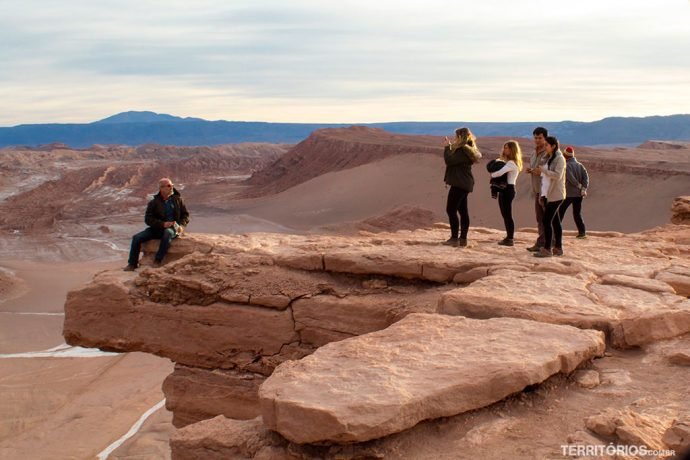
109	243
27	184
132	431
30	313
61	351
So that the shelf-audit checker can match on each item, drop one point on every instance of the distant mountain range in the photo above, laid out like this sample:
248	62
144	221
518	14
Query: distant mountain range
137	128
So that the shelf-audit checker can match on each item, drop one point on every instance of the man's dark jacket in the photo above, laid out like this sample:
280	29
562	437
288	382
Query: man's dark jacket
155	211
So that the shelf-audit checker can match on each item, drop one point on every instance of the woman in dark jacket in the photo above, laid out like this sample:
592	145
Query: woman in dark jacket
459	155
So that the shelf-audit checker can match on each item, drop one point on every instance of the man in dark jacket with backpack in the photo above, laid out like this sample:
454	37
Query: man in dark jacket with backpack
576	183
166	217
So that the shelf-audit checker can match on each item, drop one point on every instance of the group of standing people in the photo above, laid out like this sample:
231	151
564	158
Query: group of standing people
557	179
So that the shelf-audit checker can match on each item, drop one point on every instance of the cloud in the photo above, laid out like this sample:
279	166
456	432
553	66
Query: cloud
502	59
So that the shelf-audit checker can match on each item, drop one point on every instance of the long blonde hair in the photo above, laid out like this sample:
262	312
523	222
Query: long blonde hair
463	136
515	153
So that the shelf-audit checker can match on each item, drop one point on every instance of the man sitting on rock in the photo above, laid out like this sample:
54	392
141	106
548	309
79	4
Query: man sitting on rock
166	217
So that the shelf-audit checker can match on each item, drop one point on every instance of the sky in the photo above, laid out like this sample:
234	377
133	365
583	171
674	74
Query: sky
78	61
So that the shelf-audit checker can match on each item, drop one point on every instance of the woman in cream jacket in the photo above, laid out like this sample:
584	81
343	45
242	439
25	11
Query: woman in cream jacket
554	170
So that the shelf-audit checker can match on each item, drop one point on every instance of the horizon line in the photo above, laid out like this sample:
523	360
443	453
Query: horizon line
193	119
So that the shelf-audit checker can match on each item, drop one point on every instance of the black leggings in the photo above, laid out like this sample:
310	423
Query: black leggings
552	225
577	212
505	204
457	203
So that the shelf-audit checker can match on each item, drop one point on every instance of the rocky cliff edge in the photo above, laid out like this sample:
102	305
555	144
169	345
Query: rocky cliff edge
334	340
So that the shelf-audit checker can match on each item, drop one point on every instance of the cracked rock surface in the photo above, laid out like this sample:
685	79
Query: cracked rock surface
230	309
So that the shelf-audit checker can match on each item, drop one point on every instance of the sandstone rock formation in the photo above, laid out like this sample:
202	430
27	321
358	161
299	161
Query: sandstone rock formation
677	437
630	316
194	393
680	210
221	438
230	309
423	367
632	427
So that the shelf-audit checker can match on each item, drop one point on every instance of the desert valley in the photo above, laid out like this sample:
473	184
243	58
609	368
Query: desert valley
311	311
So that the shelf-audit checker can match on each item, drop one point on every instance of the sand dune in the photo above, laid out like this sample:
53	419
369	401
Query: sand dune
617	201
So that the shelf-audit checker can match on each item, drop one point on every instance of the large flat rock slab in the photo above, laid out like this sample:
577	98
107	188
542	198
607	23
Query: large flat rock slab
660	253
323	319
422	367
105	314
234	311
203	279
631	311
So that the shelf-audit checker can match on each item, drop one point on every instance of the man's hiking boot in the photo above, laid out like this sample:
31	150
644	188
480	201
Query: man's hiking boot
534	248
581	236
506	242
557	252
130	268
451	242
462	242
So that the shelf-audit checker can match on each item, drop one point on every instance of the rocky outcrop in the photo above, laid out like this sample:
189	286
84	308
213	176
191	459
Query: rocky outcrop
231	309
630	316
678	277
423	367
223	335
677	437
680	210
221	438
194	394
633	427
